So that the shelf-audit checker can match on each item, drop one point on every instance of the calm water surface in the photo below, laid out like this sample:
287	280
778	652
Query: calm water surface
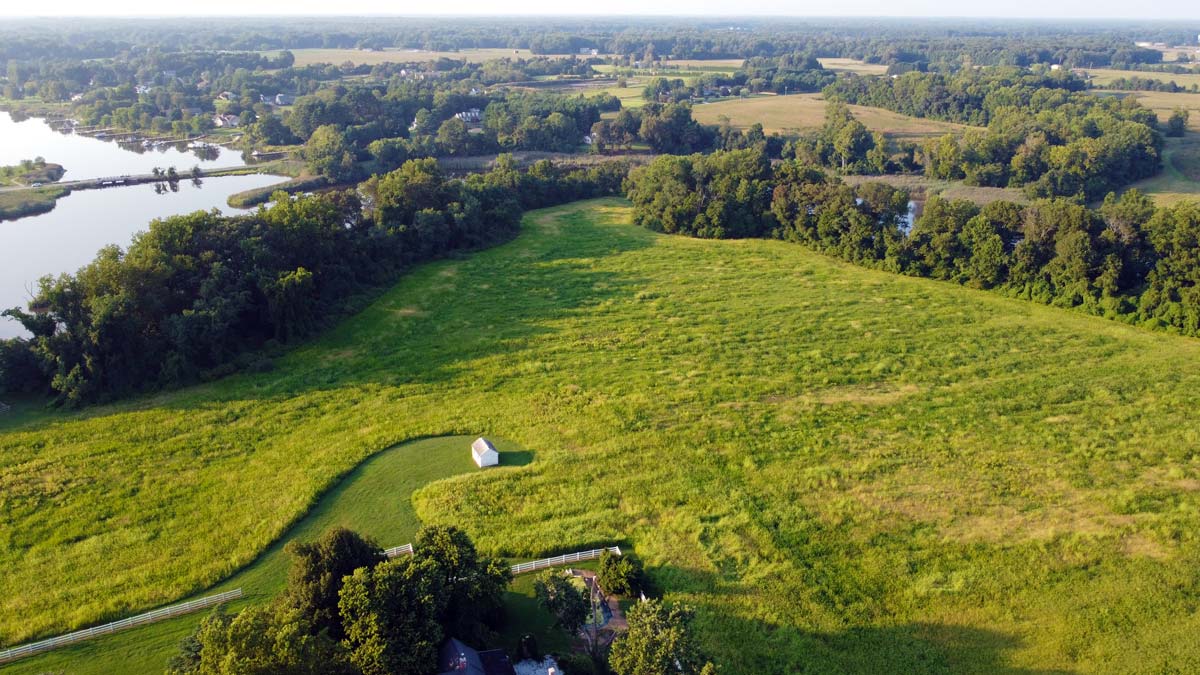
85	157
65	239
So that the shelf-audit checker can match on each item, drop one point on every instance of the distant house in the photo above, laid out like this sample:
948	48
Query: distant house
456	658
472	116
586	51
484	453
225	120
284	99
1055	66
226	96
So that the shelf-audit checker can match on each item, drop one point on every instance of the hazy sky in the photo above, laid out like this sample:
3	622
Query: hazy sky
1161	9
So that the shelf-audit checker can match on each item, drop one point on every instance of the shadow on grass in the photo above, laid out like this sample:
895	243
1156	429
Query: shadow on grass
749	644
442	319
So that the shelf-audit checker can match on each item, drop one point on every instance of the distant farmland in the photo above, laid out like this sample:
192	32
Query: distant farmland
1163	103
305	57
854	66
1104	76
805	112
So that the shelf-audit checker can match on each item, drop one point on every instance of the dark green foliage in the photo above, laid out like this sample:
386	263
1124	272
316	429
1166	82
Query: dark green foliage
472	586
659	640
391	614
1177	122
318	568
258	641
719	196
1126	260
348	609
620	574
328	154
564	600
1042	131
195	291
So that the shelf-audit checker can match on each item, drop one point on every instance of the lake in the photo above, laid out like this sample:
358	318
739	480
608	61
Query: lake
65	239
84	157
68	237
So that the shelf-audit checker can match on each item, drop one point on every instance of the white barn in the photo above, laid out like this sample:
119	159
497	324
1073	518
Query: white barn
484	453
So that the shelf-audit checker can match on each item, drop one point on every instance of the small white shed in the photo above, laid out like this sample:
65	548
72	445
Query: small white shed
484	453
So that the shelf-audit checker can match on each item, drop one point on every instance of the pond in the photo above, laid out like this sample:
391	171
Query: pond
65	239
84	157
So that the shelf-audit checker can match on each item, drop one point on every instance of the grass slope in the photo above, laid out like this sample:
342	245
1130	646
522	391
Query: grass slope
844	470
374	499
806	112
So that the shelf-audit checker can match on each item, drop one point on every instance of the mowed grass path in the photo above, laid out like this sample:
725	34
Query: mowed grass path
806	112
843	470
374	499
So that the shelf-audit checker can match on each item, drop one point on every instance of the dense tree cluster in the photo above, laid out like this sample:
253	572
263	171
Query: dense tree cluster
1127	260
347	609
1041	132
193	293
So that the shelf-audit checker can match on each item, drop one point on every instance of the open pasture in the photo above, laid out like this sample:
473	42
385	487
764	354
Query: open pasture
849	470
1103	76
806	112
1163	104
853	66
1180	177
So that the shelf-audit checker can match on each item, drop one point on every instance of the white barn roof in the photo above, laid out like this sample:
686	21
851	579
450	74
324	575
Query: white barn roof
484	453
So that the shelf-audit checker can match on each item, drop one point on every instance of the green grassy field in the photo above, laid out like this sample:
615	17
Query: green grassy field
1103	76
1163	104
853	66
806	112
374	499
1180	177
843	470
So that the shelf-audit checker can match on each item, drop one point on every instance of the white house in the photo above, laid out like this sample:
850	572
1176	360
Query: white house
484	453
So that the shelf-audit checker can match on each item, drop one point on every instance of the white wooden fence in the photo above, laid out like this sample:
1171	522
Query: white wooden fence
201	603
534	565
96	631
394	551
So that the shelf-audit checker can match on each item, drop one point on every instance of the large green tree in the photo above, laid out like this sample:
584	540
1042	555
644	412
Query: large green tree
659	641
473	585
391	614
317	571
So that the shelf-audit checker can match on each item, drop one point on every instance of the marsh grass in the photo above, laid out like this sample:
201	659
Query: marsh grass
843	470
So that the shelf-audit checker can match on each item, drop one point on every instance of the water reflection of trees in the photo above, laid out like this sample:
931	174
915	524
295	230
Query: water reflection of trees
207	153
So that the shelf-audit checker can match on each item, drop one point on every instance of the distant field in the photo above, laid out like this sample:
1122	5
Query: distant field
337	57
854	66
630	95
1180	178
1163	104
707	65
1104	76
805	112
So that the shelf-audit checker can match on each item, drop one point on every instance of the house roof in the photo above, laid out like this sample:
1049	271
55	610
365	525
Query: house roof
482	445
457	658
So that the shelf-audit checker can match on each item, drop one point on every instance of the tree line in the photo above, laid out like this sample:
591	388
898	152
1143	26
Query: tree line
194	296
1042	132
1127	260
